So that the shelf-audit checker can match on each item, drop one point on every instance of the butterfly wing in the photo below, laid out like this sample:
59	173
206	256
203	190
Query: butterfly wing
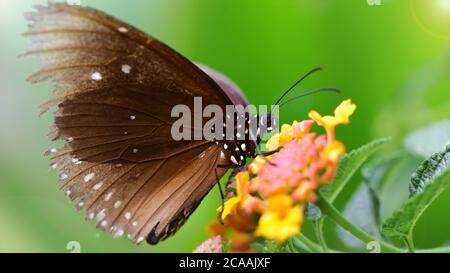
114	90
148	199
83	49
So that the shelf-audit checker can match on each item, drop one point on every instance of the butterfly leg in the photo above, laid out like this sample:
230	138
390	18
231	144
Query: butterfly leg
270	153
222	196
264	155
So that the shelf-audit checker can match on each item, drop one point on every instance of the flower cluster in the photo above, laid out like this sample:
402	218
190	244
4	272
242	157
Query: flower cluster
268	199
212	245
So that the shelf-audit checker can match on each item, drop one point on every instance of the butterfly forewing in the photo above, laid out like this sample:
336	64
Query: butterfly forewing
96	50
114	90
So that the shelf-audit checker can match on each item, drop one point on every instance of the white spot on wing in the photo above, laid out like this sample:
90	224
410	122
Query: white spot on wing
89	177
97	76
98	186
243	147
91	215
123	29
101	215
119	233
108	196
117	204
126	69
233	159
128	215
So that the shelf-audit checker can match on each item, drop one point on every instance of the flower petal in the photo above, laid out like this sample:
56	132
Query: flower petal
344	111
229	206
278	227
273	143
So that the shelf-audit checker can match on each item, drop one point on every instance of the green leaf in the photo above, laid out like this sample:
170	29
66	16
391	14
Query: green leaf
429	170
348	165
364	206
431	139
427	183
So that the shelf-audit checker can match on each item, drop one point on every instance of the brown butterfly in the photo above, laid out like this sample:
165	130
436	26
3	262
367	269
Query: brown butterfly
115	87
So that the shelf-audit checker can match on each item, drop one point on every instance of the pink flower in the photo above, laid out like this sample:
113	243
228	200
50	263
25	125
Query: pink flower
212	245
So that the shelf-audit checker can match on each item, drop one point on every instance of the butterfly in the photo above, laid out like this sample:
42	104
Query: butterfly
115	87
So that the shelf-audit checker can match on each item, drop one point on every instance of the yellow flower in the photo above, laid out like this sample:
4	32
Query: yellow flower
334	150
281	220
257	164
341	115
242	180
229	206
284	137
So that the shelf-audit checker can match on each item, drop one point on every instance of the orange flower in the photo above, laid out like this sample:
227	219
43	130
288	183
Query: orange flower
242	180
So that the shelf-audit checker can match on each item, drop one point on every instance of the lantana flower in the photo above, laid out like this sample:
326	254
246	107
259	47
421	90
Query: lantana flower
280	220
212	245
341	116
272	194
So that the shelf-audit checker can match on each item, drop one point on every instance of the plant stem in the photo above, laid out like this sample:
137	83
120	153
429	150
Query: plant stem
318	229
313	247
444	249
337	217
409	243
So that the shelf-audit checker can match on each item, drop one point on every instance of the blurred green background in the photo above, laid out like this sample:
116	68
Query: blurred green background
393	60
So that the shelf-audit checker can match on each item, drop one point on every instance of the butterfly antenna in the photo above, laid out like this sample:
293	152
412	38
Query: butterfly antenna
308	93
298	82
